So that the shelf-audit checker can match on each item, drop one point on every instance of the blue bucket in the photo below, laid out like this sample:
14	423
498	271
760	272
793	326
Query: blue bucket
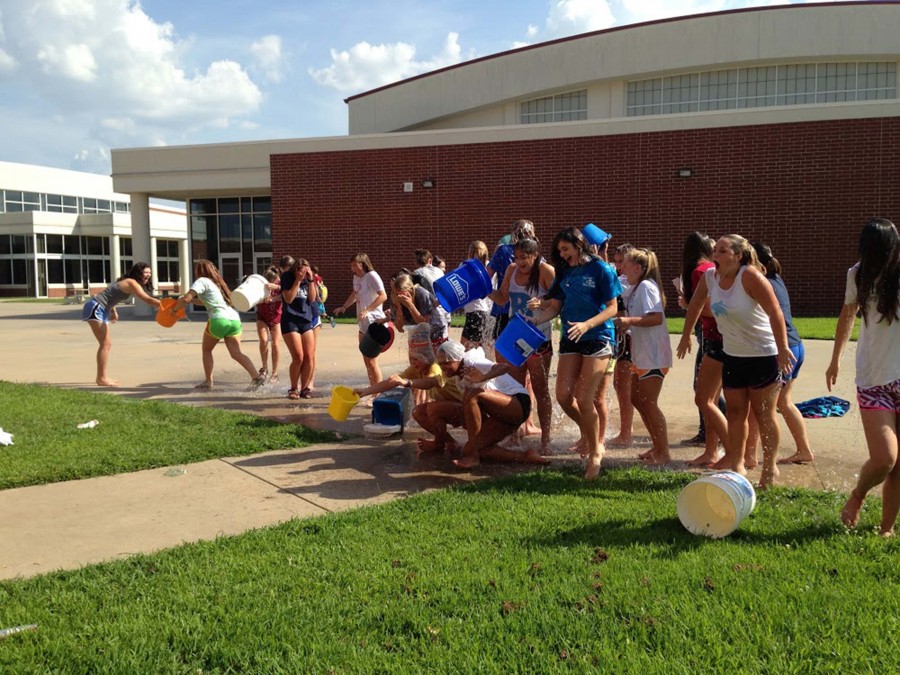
470	281
595	235
518	341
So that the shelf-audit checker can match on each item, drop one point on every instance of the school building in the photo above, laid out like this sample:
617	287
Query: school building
68	234
779	123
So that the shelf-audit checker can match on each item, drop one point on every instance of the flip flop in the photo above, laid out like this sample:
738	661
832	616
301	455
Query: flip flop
294	395
306	392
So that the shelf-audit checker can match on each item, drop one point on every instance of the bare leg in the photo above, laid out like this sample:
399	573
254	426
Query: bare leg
645	396
709	384
880	427
750	447
234	349
294	344
101	332
737	401
592	373
539	370
600	405
209	343
307	367
763	402
264	335
372	369
275	333
490	417
434	417
622	385
311	357
795	425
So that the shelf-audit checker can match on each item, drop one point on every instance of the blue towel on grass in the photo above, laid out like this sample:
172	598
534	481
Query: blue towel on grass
824	406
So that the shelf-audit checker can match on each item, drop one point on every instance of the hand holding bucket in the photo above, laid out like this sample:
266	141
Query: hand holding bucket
470	281
519	340
165	317
250	293
342	401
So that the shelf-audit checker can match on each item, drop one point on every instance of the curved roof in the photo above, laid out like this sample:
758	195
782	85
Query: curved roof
790	33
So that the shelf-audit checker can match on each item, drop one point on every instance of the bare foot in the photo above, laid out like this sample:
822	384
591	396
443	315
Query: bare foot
750	461
546	450
797	458
466	462
767	478
657	459
725	465
721	464
851	510
886	534
106	382
577	446
646	454
427	445
533	457
593	466
619	442
703	460
204	385
273	379
531	429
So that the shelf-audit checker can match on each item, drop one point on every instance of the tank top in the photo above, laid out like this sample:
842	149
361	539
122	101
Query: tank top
744	326
111	296
519	296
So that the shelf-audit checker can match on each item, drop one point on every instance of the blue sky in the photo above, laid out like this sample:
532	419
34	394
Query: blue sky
78	77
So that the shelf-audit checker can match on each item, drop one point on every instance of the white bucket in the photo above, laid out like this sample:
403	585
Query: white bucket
250	293
715	505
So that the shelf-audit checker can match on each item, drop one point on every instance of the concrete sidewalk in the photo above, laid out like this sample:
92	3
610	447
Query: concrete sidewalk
66	525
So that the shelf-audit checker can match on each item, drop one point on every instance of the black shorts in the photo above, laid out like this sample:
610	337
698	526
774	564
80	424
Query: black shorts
595	348
713	349
500	323
750	372
623	346
473	331
294	324
525	401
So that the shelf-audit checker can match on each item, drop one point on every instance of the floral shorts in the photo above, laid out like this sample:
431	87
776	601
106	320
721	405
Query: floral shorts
882	397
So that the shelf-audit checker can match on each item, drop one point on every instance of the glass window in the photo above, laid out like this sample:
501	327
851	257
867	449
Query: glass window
564	107
125	265
262	204
72	244
73	270
262	232
203	206
246	205
20	275
21	243
125	247
89	205
121	207
104	205
55	273
93	246
5	246
97	271
229	234
229	205
5	272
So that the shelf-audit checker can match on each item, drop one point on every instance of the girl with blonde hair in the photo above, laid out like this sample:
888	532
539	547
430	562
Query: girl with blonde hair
477	311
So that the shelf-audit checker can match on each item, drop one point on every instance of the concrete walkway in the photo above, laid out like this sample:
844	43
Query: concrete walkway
70	524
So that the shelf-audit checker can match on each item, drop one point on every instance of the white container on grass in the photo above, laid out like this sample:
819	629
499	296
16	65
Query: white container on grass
715	505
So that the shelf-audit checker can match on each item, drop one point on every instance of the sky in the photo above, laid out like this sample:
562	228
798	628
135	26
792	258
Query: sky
78	77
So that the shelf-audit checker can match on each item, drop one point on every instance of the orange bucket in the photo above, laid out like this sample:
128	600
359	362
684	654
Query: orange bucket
164	316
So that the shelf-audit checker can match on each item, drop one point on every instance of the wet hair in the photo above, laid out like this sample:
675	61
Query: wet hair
697	248
878	276
766	259
137	273
742	247
437	261
403	281
364	262
622	249
531	247
272	273
205	268
424	257
286	261
649	264
522	229
479	250
573	236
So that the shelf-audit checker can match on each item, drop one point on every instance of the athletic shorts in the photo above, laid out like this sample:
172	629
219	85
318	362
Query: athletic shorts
317	322
648	373
623	346
93	311
882	397
294	324
223	328
750	372
499	324
799	353
525	401
714	350
473	331
600	349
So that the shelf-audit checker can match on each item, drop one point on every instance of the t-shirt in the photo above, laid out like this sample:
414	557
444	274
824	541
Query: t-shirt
434	370
707	323
586	290
499	262
878	348
650	345
211	296
367	287
427	305
300	308
505	384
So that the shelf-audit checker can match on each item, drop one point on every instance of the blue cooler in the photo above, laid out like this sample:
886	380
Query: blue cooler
392	408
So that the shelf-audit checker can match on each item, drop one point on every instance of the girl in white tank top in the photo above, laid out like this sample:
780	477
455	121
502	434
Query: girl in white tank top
742	322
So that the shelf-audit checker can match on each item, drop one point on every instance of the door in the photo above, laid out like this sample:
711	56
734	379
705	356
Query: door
230	268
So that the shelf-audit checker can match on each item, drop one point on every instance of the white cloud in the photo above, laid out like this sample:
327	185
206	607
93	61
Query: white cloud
569	17
647	10
365	66
269	58
119	76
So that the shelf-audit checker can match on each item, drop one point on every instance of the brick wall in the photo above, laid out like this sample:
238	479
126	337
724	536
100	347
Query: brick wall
805	189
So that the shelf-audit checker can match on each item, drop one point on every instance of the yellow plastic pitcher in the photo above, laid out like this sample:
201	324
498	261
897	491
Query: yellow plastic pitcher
342	401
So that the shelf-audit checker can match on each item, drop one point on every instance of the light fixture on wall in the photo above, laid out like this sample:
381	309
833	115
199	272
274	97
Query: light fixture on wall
685	172
428	183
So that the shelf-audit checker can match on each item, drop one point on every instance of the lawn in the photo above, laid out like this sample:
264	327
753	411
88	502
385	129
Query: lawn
810	328
532	573
132	435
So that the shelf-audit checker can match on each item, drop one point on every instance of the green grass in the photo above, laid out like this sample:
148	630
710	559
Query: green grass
37	301
532	573
810	328
131	435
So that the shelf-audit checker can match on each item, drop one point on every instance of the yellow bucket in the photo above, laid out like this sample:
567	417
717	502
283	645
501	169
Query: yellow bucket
342	401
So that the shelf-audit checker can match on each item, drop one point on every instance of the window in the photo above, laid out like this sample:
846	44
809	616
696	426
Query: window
55	274
167	260
54	243
94	245
125	247
6	278
72	268
5	246
21	243
793	84
565	107
16	202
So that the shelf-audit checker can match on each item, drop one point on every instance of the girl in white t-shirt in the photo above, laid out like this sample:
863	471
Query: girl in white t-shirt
873	286
369	295
224	322
651	351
